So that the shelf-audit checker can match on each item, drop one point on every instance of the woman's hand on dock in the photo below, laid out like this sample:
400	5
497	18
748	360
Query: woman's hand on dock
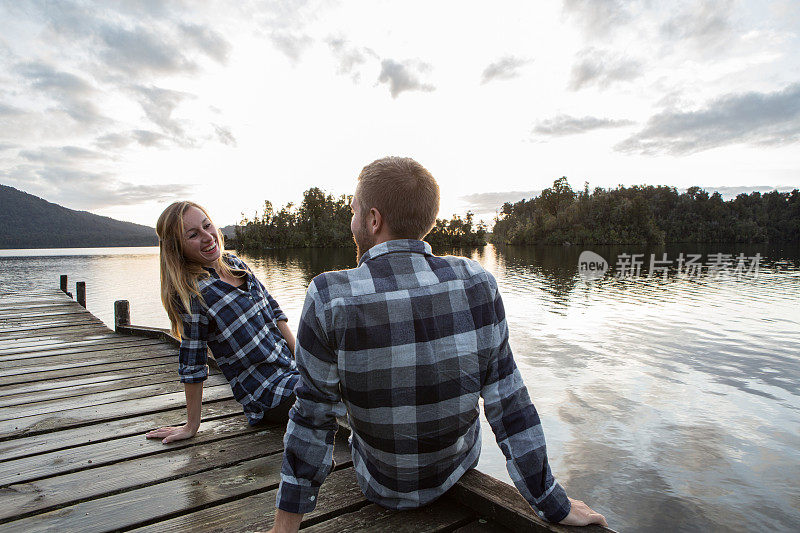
582	515
173	433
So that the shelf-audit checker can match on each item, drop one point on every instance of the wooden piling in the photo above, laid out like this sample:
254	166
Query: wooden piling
80	290
64	283
122	314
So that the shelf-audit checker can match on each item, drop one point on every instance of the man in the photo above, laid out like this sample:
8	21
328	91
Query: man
408	342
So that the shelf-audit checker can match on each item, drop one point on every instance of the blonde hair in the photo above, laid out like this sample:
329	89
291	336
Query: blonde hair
404	192
178	276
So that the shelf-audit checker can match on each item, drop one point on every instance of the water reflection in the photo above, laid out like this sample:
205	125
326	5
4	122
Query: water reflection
666	403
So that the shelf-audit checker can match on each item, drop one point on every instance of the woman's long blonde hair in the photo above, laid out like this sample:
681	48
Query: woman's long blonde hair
178	276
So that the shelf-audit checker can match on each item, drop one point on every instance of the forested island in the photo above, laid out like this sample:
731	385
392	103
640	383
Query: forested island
647	215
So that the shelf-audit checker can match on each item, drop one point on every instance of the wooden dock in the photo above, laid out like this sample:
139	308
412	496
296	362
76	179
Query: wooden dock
76	399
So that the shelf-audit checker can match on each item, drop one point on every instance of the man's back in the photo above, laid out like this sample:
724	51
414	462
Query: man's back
409	359
409	342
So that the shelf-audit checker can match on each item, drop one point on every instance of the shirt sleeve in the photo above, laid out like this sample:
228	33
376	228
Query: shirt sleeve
193	351
517	427
276	309
308	443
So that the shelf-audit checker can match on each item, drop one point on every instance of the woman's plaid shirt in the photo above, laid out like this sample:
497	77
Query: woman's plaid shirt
409	342
240	326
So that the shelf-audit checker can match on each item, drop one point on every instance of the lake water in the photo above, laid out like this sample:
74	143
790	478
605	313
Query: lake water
668	404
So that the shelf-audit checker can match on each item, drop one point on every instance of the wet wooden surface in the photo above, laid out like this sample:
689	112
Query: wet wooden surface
76	399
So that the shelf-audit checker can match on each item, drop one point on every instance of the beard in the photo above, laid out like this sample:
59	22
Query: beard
364	241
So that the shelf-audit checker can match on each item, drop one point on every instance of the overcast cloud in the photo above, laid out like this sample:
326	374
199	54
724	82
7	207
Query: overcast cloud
767	119
567	125
505	68
404	76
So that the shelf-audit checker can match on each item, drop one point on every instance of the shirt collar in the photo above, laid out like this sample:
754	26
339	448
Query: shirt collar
400	245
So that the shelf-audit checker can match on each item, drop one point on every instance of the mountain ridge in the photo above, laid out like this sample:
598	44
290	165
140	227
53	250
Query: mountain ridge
28	221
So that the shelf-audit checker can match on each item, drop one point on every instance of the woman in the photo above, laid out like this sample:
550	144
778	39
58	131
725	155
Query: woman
215	302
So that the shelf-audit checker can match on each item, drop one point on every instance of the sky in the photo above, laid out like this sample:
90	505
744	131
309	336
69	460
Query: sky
121	107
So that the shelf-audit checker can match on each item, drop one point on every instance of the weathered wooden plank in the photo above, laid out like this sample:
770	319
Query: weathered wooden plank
482	525
80	352
441	516
44	314
501	502
163	500
95	385
32	374
40	310
61	334
87	337
113	451
19	329
110	411
339	494
33	297
94	400
55	314
125	427
23	499
127	372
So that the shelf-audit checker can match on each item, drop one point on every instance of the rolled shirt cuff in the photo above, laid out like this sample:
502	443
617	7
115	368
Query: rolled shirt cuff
555	506
193	373
295	498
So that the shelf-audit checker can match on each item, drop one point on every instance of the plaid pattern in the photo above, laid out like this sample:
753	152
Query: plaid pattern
240	326
409	342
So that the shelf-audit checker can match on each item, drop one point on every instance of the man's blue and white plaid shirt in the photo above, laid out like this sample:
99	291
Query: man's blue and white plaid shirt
409	342
240	326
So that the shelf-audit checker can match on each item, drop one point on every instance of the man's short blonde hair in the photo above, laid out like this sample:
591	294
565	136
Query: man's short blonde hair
405	194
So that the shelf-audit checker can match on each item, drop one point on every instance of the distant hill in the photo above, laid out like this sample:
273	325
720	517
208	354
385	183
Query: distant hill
27	221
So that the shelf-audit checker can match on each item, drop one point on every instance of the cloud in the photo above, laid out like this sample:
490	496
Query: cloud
488	202
706	24
598	18
7	146
767	119
402	77
504	68
349	57
138	51
567	125
72	92
158	104
113	141
596	67
120	140
728	193
224	135
290	44
210	42
89	190
8	111
148	138
59	155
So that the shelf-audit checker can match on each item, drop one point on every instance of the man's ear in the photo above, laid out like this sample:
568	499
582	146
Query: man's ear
375	221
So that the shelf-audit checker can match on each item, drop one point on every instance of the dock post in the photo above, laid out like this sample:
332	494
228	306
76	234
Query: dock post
122	314
64	283
80	290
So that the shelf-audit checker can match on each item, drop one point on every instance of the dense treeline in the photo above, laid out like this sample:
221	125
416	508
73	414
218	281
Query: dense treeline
457	232
323	220
647	215
27	221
